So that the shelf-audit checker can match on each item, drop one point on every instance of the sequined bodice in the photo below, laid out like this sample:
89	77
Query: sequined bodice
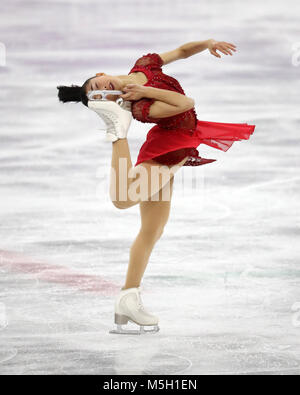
151	66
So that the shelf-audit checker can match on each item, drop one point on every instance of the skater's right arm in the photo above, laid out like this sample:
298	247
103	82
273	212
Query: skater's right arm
167	103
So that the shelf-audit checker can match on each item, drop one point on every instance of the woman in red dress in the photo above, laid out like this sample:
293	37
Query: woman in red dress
159	98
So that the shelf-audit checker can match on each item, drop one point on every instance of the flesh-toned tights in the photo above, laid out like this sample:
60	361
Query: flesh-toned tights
154	205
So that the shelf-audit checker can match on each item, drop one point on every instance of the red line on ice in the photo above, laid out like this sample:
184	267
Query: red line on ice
17	262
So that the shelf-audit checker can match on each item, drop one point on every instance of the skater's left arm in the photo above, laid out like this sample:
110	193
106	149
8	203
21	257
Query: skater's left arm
212	45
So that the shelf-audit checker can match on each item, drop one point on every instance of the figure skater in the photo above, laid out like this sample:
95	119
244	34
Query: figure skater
149	95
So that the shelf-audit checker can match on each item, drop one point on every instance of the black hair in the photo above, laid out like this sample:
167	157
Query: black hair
73	93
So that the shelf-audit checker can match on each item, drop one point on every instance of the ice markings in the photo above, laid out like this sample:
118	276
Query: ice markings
2	55
3	316
296	315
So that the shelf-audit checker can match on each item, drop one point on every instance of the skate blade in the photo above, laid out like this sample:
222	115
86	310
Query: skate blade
141	331
103	93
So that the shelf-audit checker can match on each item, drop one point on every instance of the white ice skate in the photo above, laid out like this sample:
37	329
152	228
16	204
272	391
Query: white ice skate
116	115
129	307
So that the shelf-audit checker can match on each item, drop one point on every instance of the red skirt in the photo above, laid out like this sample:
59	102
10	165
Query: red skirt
169	147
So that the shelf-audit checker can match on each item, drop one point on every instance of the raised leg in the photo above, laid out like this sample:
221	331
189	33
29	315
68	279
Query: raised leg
132	185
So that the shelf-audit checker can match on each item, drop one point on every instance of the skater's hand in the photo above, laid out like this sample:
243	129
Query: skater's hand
221	46
133	92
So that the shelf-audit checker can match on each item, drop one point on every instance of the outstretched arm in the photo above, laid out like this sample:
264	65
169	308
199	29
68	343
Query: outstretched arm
171	56
212	45
189	49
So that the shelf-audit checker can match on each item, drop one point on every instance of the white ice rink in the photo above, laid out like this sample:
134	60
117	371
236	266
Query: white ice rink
224	278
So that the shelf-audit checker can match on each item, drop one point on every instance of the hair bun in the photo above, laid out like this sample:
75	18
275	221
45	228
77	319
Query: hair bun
69	93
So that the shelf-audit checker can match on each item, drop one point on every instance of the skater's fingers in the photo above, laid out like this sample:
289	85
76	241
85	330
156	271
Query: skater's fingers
222	50
232	47
222	46
125	95
215	54
228	48
129	87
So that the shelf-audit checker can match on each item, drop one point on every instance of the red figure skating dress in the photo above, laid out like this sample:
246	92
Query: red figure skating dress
178	136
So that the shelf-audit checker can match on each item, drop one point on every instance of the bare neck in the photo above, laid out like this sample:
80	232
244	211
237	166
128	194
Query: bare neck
133	78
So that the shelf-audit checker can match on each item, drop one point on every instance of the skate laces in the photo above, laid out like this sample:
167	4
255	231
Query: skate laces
110	120
140	304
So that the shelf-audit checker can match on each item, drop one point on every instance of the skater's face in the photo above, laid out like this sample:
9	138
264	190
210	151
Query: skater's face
103	81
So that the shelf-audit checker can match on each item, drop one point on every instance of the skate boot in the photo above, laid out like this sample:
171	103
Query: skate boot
116	115
129	307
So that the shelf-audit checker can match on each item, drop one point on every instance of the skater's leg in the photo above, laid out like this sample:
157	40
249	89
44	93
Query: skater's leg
120	166
128	304
154	216
139	178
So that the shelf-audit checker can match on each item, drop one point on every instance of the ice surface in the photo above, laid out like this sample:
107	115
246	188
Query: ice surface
224	278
